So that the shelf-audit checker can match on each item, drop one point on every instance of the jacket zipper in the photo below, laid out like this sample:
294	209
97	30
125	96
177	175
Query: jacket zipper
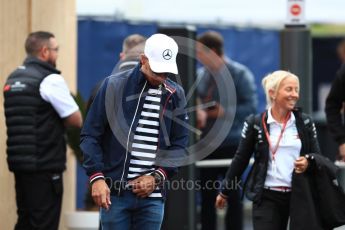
129	133
164	108
162	114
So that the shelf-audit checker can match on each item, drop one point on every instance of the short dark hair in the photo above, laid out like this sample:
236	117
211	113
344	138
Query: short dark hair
133	45
36	40
212	40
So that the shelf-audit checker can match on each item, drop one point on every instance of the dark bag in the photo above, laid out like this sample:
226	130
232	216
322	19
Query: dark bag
331	197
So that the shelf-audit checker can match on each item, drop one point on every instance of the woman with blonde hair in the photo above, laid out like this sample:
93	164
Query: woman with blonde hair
281	139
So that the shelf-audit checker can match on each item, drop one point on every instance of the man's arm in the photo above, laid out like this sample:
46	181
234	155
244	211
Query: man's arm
334	104
92	134
247	100
74	120
90	139
54	90
245	93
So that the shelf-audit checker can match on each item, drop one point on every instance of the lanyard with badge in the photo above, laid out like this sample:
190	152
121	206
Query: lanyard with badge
274	150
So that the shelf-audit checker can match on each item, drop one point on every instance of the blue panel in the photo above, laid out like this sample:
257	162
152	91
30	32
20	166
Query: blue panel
82	186
99	46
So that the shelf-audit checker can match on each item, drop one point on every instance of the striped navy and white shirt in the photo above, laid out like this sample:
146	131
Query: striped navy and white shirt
144	147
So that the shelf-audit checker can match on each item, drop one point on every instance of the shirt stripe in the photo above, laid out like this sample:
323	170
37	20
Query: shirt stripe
147	122
155	92
148	106
143	138
150	98
149	114
143	146
147	130
140	162
143	154
132	169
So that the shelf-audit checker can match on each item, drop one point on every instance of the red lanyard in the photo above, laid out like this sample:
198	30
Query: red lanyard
274	150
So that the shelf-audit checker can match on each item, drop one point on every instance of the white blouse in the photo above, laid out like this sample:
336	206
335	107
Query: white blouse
286	154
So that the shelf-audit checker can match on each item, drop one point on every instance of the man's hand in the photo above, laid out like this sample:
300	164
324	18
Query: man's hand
101	194
143	186
301	164
342	151
221	201
216	111
201	118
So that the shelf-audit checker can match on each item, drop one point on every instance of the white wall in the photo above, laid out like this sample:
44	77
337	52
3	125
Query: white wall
215	11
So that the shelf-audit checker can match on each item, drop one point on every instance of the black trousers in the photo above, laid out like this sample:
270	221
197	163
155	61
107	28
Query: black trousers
39	198
272	212
210	180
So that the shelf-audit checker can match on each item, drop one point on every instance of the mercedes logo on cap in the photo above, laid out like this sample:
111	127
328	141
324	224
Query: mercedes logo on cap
167	54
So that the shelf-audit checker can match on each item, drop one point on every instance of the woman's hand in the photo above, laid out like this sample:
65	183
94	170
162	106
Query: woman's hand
221	201
301	164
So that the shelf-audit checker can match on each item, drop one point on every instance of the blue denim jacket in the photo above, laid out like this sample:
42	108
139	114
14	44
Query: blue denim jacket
246	97
113	116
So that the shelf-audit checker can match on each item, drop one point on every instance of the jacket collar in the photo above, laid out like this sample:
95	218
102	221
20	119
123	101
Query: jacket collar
138	74
125	65
168	84
34	60
271	120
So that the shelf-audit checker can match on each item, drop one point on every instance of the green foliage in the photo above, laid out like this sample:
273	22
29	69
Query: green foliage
321	30
73	140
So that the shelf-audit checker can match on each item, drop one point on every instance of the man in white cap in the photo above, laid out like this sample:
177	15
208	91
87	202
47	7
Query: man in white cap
133	125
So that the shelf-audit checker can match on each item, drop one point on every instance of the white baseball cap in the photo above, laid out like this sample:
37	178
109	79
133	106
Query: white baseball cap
161	50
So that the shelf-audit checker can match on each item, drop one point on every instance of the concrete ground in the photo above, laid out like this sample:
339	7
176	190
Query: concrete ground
247	213
247	218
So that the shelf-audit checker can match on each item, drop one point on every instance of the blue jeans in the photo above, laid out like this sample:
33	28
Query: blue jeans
131	212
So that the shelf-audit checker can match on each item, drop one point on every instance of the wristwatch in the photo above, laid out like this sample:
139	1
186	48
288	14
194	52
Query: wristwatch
158	178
